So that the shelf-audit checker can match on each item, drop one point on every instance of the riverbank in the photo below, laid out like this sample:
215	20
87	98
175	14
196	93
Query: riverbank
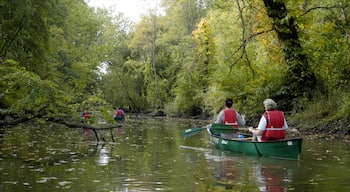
334	129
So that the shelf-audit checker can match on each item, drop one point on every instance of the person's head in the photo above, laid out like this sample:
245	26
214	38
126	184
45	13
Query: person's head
270	104
228	102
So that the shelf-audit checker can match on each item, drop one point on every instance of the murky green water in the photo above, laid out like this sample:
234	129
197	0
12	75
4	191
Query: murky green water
152	155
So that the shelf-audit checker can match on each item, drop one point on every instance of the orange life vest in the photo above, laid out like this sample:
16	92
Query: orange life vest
274	128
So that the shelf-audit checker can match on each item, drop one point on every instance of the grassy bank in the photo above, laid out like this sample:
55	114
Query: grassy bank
325	115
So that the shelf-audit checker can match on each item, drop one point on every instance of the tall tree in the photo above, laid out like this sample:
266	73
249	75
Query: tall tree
300	80
53	43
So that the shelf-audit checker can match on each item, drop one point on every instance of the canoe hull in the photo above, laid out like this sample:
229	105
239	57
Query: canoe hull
286	149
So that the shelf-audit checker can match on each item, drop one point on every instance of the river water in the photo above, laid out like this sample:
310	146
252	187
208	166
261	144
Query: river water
152	155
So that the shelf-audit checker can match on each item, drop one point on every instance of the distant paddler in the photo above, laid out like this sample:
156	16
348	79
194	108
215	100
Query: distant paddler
119	115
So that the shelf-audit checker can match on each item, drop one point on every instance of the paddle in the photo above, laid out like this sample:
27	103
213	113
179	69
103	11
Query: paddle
215	128
193	131
222	128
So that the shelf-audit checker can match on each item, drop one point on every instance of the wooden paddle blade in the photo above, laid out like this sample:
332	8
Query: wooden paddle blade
191	132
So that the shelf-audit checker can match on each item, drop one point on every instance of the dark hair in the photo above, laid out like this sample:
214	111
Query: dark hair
228	102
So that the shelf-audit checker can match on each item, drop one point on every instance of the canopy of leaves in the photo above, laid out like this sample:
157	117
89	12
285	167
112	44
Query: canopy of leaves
185	59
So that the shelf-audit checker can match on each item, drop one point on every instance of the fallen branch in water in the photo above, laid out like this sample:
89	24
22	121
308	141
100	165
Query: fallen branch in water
13	122
87	126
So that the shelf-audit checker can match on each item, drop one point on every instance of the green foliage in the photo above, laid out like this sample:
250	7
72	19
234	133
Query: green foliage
124	86
28	94
70	56
327	45
24	32
237	54
339	103
324	109
53	44
107	115
188	100
102	110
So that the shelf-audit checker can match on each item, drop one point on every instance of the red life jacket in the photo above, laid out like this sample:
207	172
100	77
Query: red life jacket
274	128
120	113
230	118
87	115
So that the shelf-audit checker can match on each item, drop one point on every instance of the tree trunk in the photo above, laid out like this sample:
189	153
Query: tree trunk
300	80
154	37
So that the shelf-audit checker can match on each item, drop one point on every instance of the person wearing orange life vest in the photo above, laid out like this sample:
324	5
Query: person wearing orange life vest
229	116
272	125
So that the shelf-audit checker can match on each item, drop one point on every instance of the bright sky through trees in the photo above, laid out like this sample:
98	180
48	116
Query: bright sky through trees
132	9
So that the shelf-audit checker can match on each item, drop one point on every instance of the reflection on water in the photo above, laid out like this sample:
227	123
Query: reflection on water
273	177
87	133
103	155
120	129
154	156
232	171
103	150
103	134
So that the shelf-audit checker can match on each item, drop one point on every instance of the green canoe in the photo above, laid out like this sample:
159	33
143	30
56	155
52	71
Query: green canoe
287	148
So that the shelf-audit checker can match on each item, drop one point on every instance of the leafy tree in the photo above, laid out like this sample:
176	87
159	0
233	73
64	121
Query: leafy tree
184	73
29	96
52	46
300	80
25	26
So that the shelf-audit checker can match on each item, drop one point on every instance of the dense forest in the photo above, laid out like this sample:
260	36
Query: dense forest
182	59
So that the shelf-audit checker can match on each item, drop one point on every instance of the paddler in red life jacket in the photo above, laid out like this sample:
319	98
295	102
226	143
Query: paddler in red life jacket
119	115
229	116
272	125
86	116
